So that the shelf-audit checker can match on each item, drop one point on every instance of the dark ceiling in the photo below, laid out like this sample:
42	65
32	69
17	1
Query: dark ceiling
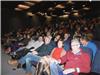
44	6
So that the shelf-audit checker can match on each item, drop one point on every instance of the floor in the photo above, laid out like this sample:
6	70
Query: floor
7	69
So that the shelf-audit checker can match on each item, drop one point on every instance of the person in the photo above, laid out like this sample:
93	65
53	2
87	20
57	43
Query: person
57	37
75	61
56	53
35	56
67	40
88	43
22	51
36	44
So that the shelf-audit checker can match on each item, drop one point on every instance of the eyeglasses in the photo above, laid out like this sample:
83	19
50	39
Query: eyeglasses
75	45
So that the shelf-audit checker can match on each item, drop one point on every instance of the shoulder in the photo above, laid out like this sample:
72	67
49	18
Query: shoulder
92	43
85	54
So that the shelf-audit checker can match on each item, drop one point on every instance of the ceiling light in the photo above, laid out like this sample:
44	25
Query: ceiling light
23	6
90	0
76	14
18	9
64	16
59	6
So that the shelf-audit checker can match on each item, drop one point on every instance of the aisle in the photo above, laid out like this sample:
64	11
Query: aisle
8	69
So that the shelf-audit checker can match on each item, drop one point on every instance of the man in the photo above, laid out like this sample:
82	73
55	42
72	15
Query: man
87	43
36	55
75	60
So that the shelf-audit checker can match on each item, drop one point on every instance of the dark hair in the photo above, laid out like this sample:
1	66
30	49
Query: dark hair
60	40
86	37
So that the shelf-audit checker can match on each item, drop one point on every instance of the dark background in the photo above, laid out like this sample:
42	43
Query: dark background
12	20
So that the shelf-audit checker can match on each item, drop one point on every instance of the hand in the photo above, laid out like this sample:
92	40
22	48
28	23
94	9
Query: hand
67	71
59	61
34	52
52	60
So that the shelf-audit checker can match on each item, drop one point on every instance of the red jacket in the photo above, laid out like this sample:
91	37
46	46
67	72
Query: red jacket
80	60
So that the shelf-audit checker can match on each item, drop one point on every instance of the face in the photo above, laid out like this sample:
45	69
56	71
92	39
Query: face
40	38
57	38
48	34
66	35
83	41
47	40
60	44
75	46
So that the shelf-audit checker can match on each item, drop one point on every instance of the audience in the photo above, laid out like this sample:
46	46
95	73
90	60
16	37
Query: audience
49	44
75	61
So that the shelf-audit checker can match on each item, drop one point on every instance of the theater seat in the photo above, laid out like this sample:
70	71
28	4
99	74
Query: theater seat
96	63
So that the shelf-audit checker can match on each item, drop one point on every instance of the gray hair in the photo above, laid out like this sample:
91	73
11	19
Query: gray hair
75	40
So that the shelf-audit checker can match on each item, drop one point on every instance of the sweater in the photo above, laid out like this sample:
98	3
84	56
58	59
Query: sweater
80	60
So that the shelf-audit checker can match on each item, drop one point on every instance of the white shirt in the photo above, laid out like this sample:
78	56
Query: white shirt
35	44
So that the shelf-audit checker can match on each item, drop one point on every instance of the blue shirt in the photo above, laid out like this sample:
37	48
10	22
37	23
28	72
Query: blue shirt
92	47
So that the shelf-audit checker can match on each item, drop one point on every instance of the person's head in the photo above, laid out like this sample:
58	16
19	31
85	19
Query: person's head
48	33
60	43
84	39
75	45
66	35
40	38
57	37
47	40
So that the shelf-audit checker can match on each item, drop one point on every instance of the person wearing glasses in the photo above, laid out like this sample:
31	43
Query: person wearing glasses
75	61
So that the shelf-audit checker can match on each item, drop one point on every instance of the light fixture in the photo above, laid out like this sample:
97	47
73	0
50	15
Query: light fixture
64	16
90	0
60	6
23	6
18	9
76	14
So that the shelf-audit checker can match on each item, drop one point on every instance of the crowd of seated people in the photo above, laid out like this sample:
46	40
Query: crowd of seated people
54	44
